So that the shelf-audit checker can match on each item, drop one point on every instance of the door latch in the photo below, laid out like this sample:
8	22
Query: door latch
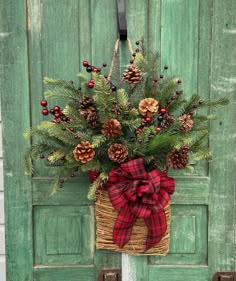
224	276
109	275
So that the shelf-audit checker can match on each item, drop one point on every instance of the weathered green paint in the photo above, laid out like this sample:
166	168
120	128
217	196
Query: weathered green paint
15	117
196	38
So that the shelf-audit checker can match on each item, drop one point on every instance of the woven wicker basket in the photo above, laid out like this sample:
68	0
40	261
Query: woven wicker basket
106	217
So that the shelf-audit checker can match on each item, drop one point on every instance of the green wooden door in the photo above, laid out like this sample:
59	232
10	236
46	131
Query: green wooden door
52	237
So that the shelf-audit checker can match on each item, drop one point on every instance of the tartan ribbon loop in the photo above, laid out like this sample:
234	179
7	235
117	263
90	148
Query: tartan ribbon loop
137	193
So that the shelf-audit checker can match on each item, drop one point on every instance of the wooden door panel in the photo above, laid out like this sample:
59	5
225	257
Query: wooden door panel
64	235
188	244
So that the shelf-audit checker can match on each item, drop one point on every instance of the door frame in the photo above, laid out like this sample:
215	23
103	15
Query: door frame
14	77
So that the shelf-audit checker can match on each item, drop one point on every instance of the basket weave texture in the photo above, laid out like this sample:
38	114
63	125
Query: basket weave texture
106	217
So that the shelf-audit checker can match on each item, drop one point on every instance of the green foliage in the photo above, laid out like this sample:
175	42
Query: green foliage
143	136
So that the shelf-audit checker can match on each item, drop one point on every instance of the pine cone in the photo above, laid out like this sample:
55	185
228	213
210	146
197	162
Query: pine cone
84	152
148	107
111	128
168	120
92	120
132	75
87	105
177	159
187	123
117	152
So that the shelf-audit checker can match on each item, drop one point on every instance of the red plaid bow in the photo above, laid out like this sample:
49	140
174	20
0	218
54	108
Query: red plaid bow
139	194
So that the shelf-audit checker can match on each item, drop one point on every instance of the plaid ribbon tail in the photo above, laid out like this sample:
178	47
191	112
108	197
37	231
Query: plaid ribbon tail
156	224
123	226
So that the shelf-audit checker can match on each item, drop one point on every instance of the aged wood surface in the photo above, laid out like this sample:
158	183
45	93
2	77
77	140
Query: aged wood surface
196	39
15	107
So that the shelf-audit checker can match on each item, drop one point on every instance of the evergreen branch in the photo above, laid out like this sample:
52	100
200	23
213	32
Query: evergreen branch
91	165
59	83
95	185
98	141
197	145
122	99
203	154
162	142
167	91
59	93
203	118
190	103
82	77
215	102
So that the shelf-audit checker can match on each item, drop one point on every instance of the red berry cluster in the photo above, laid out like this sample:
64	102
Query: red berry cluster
90	68
55	111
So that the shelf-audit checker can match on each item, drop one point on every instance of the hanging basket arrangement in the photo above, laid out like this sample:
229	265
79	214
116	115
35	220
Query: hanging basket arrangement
127	131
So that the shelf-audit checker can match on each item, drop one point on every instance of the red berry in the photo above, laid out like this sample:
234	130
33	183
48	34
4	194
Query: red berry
56	108
90	85
95	69
190	113
45	111
104	64
41	156
72	129
61	181
85	63
179	81
155	80
178	92
148	119
200	102
57	115
61	113
163	111
161	76
61	185
43	102
92	81
166	66
158	129
173	97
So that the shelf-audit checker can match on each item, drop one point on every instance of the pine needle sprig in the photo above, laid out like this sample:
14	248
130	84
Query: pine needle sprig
59	83
187	107
215	102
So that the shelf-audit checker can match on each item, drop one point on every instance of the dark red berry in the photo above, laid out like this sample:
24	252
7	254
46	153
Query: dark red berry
104	64
173	97
113	88
95	69
90	85
195	106
137	50
72	175
61	185
137	43
166	67
200	102
57	115
76	137
43	102
163	111
131	61
178	92
62	181
45	111
134	54
41	156
92	81
155	80
179	81
168	102
160	117
52	111
190	113
72	129
56	108
85	63
161	76
158	129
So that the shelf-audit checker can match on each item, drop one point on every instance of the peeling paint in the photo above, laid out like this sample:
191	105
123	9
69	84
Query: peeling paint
230	31
92	238
10	174
128	268
4	34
